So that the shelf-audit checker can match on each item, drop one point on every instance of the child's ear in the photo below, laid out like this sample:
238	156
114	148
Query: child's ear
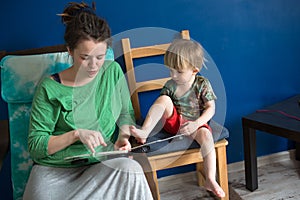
195	70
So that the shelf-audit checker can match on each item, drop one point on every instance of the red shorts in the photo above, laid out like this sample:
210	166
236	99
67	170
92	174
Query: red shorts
172	124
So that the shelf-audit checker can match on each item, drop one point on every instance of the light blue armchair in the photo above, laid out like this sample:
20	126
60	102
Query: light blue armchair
20	75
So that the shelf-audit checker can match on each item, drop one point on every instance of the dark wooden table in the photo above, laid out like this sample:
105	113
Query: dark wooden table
281	119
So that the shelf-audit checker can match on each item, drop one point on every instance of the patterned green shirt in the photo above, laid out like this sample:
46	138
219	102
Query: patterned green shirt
99	105
192	103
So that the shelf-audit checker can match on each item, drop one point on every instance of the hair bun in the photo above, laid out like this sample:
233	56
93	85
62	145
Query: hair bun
73	9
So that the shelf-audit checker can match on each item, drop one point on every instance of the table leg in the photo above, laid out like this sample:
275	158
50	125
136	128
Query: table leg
250	158
298	151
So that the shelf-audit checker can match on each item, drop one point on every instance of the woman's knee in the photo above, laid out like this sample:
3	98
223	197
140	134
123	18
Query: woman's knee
124	164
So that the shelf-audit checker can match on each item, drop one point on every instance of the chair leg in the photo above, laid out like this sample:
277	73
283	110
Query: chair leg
153	184
200	173
222	170
150	174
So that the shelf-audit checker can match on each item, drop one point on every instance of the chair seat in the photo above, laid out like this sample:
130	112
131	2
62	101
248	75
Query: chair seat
179	158
179	143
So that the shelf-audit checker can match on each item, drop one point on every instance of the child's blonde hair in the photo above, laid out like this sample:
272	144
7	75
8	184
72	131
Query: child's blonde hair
184	53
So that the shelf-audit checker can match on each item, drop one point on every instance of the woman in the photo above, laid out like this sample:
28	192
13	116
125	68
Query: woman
75	112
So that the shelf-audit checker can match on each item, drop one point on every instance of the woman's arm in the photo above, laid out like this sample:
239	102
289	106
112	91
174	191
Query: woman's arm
43	117
57	143
122	142
126	114
90	138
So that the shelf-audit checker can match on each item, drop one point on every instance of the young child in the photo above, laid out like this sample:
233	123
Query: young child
186	104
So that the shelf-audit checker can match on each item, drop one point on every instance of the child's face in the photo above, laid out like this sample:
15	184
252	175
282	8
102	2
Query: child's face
89	57
182	76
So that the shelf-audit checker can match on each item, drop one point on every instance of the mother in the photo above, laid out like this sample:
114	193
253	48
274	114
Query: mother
76	112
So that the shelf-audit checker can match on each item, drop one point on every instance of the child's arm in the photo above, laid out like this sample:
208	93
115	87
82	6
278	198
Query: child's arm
190	127
208	113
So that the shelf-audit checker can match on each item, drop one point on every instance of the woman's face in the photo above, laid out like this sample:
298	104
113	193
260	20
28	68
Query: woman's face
89	57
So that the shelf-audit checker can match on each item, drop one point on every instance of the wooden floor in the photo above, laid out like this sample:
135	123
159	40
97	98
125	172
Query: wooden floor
182	187
278	177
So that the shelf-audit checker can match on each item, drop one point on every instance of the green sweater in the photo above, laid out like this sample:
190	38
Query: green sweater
100	105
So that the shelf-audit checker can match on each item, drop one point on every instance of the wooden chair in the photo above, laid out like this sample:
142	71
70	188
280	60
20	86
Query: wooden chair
172	159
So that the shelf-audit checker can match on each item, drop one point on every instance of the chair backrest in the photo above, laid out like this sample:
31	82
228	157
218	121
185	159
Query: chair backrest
135	86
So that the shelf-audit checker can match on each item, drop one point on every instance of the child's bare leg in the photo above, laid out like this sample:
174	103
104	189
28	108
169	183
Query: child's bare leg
205	139
163	106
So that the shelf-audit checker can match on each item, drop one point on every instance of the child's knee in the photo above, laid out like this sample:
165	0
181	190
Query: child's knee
205	139
165	103
204	134
164	100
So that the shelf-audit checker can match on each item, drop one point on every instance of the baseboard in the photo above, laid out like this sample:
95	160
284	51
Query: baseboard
263	160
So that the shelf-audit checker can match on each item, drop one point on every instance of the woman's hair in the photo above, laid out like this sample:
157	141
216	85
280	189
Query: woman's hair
82	23
184	53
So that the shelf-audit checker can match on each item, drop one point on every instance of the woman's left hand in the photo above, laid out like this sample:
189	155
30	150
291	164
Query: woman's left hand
122	144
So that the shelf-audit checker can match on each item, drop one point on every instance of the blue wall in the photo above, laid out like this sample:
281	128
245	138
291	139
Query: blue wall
254	43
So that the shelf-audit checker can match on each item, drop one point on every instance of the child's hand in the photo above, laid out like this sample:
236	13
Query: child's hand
139	134
188	128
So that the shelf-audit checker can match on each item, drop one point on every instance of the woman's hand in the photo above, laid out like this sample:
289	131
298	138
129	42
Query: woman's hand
122	144
90	138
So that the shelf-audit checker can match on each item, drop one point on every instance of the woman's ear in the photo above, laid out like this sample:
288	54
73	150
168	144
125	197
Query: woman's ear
70	51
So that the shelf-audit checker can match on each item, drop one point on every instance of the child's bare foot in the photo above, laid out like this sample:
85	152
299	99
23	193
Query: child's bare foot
214	187
139	134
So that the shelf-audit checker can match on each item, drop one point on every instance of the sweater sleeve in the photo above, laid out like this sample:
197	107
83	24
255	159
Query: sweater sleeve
126	113
42	122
